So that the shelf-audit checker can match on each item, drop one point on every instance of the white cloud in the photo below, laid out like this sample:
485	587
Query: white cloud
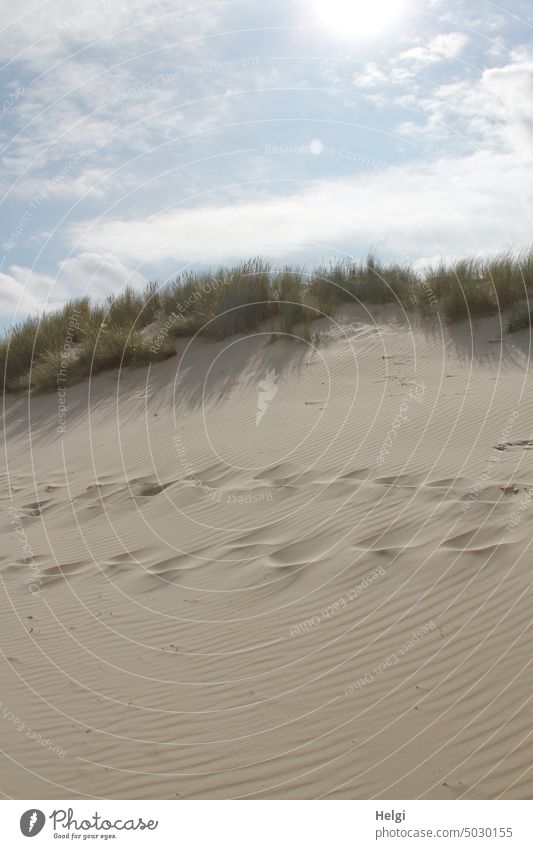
91	182
18	291
23	290
39	37
490	112
88	66
511	86
371	76
451	206
445	46
96	274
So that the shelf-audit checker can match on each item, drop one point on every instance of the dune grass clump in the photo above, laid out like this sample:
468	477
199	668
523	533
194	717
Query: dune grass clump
461	291
135	309
371	282
243	300
377	283
289	299
327	287
112	347
221	303
476	288
134	328
48	370
67	345
511	277
31	340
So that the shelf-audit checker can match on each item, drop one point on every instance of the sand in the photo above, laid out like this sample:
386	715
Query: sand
283	570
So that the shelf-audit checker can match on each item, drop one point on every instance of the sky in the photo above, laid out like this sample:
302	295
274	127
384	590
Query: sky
140	139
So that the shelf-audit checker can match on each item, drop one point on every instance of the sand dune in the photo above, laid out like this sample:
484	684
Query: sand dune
333	602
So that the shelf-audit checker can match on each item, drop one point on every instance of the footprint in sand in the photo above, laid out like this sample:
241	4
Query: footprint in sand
147	488
526	444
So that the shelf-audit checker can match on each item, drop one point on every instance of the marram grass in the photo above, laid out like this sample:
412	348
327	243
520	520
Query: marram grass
135	328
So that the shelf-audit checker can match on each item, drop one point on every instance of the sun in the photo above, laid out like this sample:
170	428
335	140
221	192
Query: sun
357	17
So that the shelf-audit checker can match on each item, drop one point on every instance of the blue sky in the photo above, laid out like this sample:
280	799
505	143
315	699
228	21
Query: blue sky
140	138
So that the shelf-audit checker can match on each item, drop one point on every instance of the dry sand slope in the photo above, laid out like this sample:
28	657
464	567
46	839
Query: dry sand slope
261	573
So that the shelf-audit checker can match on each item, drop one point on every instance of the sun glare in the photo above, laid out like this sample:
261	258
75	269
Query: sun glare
357	17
